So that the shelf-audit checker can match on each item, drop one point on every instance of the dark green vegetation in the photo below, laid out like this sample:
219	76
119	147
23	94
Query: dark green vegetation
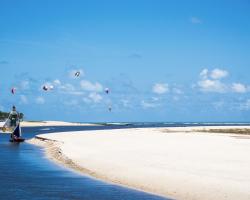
245	131
240	131
4	115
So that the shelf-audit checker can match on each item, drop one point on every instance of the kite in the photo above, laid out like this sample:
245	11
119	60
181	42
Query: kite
47	88
77	74
13	90
110	109
107	90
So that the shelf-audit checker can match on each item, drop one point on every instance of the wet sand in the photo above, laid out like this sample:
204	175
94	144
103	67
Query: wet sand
180	163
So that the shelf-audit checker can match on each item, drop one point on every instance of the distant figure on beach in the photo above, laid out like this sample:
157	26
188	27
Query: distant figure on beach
14	117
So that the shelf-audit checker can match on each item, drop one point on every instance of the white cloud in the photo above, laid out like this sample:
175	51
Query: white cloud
25	85
177	91
96	98
160	88
76	93
125	103
86	100
57	82
40	100
245	105
71	103
155	99
239	88
218	74
195	20
24	99
146	105
91	87
67	87
208	85
1	108
214	74
204	74
93	98
210	81
218	105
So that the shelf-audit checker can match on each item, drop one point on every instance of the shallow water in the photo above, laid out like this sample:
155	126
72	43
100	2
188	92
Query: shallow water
25	173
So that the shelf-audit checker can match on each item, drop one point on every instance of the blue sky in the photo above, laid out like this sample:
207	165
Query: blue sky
162	60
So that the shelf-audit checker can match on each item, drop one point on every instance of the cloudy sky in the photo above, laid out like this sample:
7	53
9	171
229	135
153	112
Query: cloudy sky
161	60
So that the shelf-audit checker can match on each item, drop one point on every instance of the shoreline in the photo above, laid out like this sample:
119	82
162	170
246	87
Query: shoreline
59	150
55	154
54	123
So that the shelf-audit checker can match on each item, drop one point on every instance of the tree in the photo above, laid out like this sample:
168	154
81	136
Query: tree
5	115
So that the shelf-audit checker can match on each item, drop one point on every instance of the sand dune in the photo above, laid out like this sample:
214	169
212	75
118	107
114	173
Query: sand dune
174	162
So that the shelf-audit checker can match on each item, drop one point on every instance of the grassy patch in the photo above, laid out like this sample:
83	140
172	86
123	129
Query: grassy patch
245	131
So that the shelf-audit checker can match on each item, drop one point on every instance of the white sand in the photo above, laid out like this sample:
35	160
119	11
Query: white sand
47	123
54	123
178	164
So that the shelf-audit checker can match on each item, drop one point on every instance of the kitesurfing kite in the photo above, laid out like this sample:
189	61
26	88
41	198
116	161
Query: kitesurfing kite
77	74
47	88
13	90
107	90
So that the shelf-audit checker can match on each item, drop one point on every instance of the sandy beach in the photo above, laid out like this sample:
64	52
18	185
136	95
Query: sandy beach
48	123
54	123
180	163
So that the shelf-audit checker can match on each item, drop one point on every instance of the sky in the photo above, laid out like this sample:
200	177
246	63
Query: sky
161	60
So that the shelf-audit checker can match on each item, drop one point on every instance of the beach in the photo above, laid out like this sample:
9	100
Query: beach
50	124
54	123
179	163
